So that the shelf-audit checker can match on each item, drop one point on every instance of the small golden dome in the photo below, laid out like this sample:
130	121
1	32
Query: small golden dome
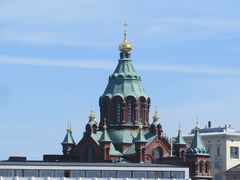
125	46
156	116
197	127
92	116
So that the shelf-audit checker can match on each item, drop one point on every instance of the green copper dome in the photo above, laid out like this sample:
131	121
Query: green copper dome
125	81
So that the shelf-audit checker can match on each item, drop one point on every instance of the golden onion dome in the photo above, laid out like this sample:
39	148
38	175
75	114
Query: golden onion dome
125	46
92	116
156	116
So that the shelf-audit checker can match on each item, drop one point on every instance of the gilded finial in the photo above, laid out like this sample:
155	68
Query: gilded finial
156	116
69	129
125	46
104	123
92	116
197	127
179	127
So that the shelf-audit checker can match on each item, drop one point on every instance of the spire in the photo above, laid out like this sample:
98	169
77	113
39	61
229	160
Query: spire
197	146
105	137
140	137
179	139
125	46
68	138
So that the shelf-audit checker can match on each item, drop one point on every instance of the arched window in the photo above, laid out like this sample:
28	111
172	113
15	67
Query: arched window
193	166
206	167
157	154
142	113
143	154
90	153
182	153
201	167
129	104
118	111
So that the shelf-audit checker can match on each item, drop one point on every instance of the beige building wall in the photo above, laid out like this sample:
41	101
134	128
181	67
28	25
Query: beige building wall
219	145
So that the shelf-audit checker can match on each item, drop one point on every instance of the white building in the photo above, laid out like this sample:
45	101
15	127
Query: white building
40	170
223	144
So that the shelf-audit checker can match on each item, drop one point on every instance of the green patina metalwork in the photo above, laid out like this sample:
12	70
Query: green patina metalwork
68	138
179	139
124	81
197	146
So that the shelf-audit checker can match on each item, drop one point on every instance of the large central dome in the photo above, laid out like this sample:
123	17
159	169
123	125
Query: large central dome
124	101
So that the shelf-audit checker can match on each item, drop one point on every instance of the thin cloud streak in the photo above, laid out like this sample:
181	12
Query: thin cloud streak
103	64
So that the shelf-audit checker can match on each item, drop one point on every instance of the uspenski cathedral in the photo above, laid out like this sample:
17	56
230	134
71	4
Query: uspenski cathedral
125	134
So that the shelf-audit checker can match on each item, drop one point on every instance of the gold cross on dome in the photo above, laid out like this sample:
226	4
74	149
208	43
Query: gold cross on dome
125	25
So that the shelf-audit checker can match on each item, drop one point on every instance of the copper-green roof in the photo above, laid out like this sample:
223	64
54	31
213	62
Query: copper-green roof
105	137
68	138
124	81
197	146
179	139
98	135
140	137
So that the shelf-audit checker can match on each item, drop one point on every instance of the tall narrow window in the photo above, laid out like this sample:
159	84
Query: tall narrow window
206	167
234	152
90	153
157	155
118	112
129	111
218	151
201	166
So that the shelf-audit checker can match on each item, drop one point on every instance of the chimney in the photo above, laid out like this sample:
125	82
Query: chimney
209	124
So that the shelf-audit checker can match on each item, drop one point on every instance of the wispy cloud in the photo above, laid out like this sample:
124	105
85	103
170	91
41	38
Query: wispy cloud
194	27
107	64
80	63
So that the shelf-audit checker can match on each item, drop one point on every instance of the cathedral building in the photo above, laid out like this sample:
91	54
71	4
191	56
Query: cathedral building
126	134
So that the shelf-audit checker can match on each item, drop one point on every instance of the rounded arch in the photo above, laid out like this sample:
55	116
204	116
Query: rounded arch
129	76
142	99
143	109
201	166
130	108
148	100
206	166
121	75
116	109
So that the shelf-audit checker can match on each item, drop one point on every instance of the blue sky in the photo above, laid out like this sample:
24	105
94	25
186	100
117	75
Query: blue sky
56	56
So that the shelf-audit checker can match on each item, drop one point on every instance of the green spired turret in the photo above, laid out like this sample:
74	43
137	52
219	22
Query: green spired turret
179	138
140	137
68	143
105	137
197	146
68	138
